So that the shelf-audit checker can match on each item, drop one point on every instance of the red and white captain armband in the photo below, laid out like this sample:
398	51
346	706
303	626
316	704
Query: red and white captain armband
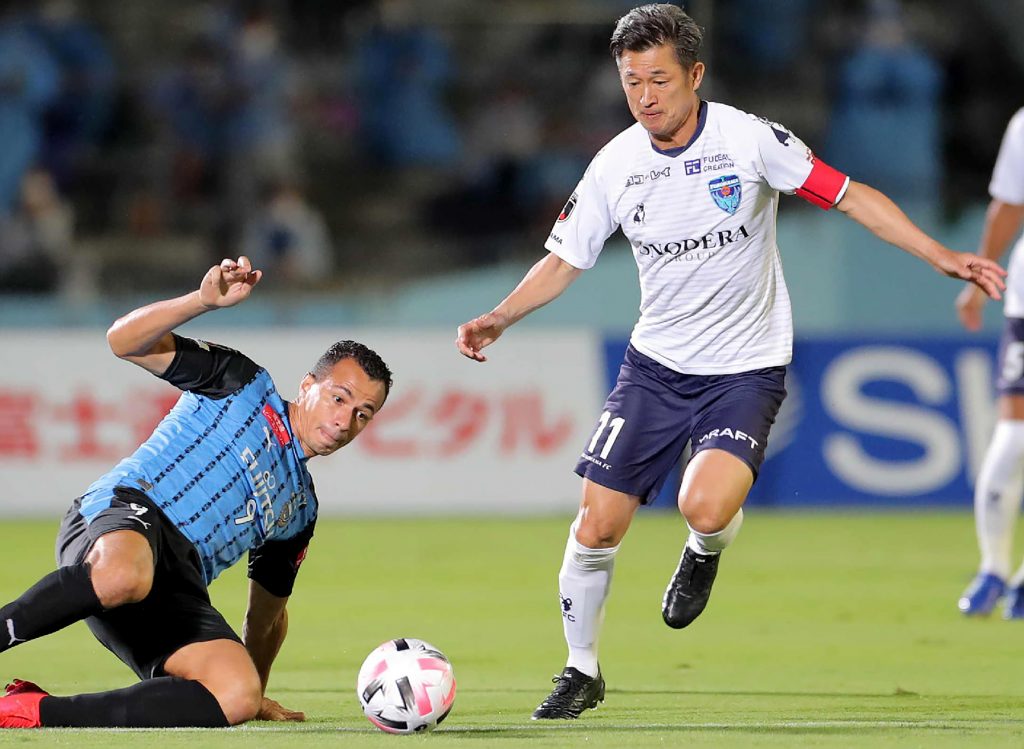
824	186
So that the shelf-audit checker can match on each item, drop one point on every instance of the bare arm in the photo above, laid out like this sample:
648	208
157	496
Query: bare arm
263	633
877	213
143	336
1002	222
545	281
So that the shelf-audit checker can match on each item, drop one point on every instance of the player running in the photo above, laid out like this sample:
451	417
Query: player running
694	186
998	491
223	475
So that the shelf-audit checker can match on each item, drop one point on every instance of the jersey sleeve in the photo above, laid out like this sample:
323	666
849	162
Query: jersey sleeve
585	222
789	166
1007	182
275	564
208	368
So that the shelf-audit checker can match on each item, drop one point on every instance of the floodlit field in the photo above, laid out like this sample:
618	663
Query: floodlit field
825	630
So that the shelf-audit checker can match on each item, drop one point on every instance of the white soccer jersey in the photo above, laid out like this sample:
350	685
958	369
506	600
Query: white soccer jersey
1008	186
701	222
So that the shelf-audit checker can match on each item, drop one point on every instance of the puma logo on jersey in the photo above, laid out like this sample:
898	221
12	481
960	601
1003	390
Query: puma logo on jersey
10	631
139	510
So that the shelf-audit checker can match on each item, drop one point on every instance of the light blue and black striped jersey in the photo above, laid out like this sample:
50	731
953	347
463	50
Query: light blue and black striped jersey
224	465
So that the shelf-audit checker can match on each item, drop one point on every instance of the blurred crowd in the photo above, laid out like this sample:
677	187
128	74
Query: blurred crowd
374	140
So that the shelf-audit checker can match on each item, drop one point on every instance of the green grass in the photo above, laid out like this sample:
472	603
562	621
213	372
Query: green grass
825	630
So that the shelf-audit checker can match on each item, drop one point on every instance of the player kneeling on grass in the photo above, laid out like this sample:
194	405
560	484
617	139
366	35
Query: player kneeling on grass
694	186
224	474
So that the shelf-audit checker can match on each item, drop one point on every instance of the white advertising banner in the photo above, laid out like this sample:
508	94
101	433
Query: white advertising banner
455	436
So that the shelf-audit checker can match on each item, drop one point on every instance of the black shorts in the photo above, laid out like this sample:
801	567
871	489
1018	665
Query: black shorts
177	610
654	411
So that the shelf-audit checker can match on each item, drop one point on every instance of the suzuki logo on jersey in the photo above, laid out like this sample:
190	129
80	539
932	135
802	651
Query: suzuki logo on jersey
638	214
692	166
726	192
570	204
692	248
734	434
639	179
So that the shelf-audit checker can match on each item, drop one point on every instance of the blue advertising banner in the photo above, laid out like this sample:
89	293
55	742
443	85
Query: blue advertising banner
899	422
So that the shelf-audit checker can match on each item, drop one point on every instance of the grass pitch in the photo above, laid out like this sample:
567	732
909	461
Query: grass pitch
825	630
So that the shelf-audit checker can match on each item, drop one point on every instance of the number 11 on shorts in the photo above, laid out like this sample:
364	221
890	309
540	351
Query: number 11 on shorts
615	425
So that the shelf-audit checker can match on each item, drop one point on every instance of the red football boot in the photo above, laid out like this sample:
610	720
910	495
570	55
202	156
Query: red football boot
19	707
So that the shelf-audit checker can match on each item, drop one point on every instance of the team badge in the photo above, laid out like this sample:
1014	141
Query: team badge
569	205
727	192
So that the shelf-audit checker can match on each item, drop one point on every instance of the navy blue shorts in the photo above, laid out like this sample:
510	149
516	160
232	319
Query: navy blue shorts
1011	358
653	412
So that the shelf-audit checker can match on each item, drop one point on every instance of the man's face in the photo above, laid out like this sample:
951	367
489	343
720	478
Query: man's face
330	412
662	94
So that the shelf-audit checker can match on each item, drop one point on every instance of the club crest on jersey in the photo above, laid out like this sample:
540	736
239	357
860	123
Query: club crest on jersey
727	192
570	204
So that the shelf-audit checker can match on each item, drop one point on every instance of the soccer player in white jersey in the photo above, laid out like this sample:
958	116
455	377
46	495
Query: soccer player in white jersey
694	185
998	492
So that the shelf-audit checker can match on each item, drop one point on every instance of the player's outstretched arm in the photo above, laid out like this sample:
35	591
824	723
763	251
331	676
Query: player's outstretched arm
143	336
263	633
877	213
1002	222
545	281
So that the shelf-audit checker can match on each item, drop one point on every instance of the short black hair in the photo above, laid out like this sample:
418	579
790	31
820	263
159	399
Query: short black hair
653	25
365	357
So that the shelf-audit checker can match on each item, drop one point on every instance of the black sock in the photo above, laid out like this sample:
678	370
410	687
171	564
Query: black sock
165	702
59	599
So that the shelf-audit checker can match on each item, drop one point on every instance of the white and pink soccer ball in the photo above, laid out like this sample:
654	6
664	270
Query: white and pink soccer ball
406	686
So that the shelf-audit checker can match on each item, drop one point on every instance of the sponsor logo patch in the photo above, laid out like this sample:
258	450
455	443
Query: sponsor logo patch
570	205
276	425
692	166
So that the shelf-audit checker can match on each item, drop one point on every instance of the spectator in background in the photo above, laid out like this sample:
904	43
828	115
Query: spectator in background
29	81
289	238
402	72
260	137
79	116
190	103
886	116
35	242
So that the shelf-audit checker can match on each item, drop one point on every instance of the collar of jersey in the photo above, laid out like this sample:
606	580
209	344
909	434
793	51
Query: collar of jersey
702	117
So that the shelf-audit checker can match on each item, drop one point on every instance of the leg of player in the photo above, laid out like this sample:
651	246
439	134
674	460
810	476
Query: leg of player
711	497
583	584
997	501
119	570
210	684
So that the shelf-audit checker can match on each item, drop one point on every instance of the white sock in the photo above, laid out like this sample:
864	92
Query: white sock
583	584
997	496
715	543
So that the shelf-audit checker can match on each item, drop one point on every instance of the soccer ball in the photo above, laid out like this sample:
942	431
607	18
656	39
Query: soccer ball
406	686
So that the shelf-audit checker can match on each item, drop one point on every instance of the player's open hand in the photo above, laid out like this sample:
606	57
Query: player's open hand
982	272
478	333
970	304
273	710
229	283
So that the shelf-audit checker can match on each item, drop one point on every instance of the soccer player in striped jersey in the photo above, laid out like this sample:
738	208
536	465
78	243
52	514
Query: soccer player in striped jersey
223	475
694	186
999	488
